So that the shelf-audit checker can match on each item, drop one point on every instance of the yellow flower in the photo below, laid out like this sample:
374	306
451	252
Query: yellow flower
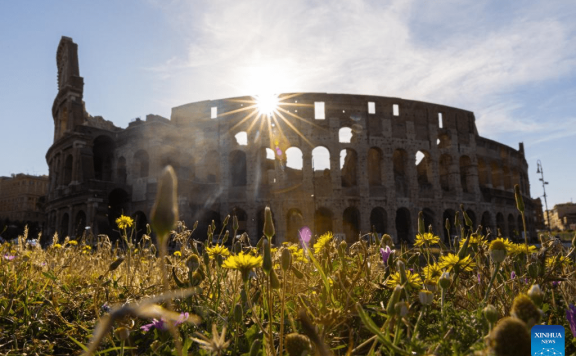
73	242
57	246
451	261
86	247
556	261
507	243
217	250
413	281
322	241
243	262
432	272
517	249
426	239
124	222
476	239
177	253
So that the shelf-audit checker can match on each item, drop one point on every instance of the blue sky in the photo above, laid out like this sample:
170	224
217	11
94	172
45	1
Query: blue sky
512	63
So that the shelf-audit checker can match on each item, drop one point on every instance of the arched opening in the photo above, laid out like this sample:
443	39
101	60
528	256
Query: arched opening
374	167
64	225
206	218
486	223
80	224
294	163
403	225
211	166
400	159
242	221
294	222
121	170
466	174
424	173
449	235
443	141
141	164
241	138
472	217
428	219
118	204
496	175
482	173
103	153
237	163
68	170
512	229
345	135
322	221
445	162
320	158
500	224
140	222
351	224
348	167
378	221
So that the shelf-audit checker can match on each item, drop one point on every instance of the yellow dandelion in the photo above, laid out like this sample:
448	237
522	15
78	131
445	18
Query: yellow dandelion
507	243
243	262
477	239
217	250
177	253
124	222
322	241
413	280
86	247
57	246
432	272
426	239
452	261
556	261
518	249
73	242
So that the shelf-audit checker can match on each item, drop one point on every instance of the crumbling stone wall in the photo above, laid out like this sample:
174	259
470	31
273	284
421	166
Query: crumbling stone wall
346	163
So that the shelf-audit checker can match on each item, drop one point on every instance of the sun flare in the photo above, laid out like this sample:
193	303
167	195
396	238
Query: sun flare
267	103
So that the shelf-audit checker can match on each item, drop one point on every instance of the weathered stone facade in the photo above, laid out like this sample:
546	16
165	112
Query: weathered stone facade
22	198
346	163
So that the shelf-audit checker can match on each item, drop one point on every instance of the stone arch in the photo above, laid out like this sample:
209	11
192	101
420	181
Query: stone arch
379	221
64	222
242	220
403	225
320	158
400	159
294	163
349	167
424	173
496	175
118	204
294	222
375	166
512	229
466	174
482	173
323	220
445	163
103	153
449	214
140	225
486	223
500	224
429	218
237	161
211	165
351	223
80	223
67	175
141	164
121	170
345	135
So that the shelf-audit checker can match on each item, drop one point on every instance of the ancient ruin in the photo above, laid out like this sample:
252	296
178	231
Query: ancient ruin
350	164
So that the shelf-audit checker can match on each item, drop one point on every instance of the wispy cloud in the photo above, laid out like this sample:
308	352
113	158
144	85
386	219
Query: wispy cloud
460	55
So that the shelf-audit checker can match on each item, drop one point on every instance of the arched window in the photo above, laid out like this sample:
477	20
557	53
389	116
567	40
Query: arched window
482	173
121	170
348	167
403	225
211	167
445	163
80	224
351	223
496	175
64	225
345	135
68	170
500	224
294	163
424	172
141	164
322	221
400	159
507	177
374	166
378	221
294	222
320	158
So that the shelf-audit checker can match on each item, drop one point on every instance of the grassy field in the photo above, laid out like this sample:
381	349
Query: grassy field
233	298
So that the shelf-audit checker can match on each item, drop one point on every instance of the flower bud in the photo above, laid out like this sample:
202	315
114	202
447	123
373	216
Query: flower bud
225	238
457	219
426	297
298	344
267	260
447	224
237	248
490	313
195	278
255	348
402	270
193	262
533	270
401	309
444	281
497	251
510	337
430	285
536	294
225	222
286	259
238	313
235	225
467	219
519	200
122	333
164	213
394	298
268	224
219	260
524	309
274	281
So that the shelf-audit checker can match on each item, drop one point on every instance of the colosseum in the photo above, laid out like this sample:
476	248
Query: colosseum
350	164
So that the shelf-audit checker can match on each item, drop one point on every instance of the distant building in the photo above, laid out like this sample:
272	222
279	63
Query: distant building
22	198
563	217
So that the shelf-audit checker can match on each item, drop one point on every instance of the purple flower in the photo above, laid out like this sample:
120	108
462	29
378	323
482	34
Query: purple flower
555	284
385	253
9	258
512	275
571	316
161	324
479	278
105	307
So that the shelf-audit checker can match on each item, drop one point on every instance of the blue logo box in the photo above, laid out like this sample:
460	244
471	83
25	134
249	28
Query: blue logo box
548	340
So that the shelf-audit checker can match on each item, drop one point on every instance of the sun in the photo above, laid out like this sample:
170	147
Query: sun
267	103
